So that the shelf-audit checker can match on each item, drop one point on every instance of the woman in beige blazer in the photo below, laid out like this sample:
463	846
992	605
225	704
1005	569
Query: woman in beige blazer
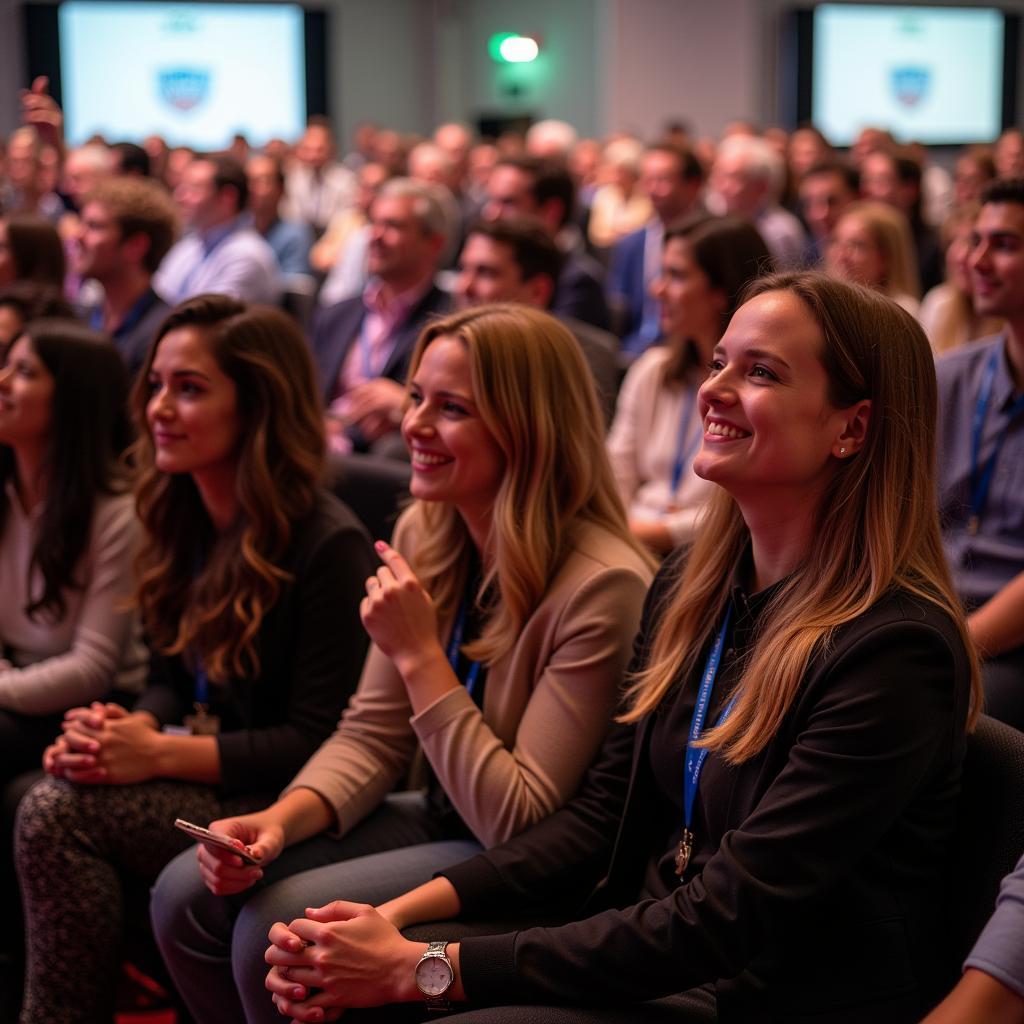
502	622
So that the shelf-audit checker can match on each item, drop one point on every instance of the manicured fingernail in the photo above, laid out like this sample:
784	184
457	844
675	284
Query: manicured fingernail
380	545
298	993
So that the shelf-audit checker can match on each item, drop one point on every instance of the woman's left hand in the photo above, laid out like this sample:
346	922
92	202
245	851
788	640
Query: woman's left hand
399	614
340	955
123	747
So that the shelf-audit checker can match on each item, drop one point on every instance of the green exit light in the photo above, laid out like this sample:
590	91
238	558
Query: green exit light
512	48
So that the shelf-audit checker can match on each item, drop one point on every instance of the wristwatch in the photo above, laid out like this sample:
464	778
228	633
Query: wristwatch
434	976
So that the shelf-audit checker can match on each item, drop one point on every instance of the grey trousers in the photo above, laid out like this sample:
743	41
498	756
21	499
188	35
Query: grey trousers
213	946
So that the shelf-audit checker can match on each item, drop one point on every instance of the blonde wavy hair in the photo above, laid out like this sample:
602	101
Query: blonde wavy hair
877	526
204	594
536	396
890	231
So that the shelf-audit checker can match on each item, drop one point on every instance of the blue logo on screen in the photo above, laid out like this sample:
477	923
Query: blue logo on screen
185	88
911	85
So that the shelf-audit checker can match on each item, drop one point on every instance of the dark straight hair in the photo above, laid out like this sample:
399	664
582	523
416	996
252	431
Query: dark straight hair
89	432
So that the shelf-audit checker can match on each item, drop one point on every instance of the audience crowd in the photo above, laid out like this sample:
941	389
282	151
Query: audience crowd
783	381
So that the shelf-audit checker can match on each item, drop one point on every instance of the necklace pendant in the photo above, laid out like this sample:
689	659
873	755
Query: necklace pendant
684	851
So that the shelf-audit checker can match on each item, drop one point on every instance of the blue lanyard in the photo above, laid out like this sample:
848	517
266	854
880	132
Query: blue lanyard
696	756
453	652
202	686
684	452
981	475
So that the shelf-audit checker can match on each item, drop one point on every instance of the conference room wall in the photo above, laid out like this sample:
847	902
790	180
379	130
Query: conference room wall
605	64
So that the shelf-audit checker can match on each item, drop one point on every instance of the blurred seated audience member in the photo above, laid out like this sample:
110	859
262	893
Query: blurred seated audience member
981	454
68	535
992	987
809	656
68	539
318	187
362	146
936	185
672	179
620	206
239	149
341	251
658	428
870	139
24	301
871	244
825	191
178	161
529	186
128	226
221	253
429	163
248	582
129	160
895	179
290	239
482	159
24	181
502	621
1008	154
515	260
362	345
947	312
551	140
585	167
390	149
807	148
51	205
973	171
676	133
746	181
30	250
157	150
84	168
456	141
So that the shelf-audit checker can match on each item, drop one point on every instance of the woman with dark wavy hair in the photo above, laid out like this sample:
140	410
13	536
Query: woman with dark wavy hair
501	621
249	583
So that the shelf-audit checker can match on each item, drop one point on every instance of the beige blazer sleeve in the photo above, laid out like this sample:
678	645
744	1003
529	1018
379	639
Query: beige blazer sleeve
547	705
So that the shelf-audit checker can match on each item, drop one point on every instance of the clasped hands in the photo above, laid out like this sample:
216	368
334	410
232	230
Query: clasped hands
103	743
337	956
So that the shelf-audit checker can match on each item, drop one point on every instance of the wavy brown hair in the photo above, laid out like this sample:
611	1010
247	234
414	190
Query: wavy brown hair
536	396
205	594
876	529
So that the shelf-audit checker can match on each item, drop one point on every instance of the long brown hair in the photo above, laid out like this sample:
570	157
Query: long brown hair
202	593
877	525
536	396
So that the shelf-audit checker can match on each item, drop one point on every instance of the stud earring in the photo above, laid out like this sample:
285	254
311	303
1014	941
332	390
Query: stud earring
842	451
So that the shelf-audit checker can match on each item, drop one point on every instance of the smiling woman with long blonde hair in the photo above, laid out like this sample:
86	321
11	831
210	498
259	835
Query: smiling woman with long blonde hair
764	834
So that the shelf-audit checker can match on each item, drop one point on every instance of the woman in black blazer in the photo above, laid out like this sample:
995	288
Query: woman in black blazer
770	817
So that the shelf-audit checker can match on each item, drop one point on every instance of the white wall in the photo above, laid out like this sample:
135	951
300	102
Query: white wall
682	59
605	64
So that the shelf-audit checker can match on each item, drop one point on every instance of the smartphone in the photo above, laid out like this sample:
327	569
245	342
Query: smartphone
204	835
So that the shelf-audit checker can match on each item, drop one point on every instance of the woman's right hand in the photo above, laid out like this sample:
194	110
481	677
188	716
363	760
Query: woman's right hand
223	873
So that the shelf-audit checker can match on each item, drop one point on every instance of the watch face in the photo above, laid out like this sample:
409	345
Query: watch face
433	976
